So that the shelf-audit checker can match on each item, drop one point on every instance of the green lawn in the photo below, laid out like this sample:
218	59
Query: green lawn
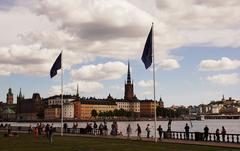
25	142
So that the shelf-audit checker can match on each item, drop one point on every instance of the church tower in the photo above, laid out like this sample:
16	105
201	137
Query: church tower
9	97
20	96
128	86
77	94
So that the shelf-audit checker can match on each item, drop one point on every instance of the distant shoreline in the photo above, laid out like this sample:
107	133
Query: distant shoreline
92	120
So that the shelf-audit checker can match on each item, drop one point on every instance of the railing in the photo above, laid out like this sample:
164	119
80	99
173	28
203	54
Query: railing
198	136
85	131
194	136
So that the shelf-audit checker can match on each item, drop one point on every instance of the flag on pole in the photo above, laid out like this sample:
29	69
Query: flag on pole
56	66
148	49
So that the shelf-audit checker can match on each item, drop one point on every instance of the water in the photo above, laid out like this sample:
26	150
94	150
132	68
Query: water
231	126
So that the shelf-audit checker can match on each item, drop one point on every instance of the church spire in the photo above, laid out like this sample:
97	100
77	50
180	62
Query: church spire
20	96
20	93
77	91
129	74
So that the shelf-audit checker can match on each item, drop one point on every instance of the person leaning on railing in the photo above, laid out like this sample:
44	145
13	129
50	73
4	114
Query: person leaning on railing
223	133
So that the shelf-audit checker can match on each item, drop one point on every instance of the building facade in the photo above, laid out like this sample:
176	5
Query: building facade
52	113
83	107
30	109
68	110
9	97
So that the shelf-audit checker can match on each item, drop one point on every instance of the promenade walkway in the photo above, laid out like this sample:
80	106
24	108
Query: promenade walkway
174	141
189	142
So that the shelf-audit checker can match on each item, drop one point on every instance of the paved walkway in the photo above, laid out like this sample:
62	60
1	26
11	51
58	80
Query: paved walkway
189	142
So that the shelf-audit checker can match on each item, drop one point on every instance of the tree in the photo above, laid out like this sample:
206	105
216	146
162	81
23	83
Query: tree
94	113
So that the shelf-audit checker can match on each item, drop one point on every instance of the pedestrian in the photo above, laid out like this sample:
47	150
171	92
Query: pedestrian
206	131
187	131
217	135
160	131
47	130
65	126
36	134
223	133
95	128
139	131
105	129
9	129
129	131
101	128
30	129
51	130
169	125
148	131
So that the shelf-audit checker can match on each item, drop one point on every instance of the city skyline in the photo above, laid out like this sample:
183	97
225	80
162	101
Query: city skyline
194	65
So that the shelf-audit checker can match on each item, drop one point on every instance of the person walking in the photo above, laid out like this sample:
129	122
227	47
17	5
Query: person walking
65	126
129	131
223	133
30	129
51	130
160	131
101	129
47	130
105	129
95	128
148	131
206	131
36	134
139	131
187	128
217	135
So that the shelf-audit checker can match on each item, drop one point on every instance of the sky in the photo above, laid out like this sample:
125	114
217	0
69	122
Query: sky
196	44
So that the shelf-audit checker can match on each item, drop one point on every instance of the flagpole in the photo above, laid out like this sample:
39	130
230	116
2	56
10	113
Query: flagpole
154	89
62	93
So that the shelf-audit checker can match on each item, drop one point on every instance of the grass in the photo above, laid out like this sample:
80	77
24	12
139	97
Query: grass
25	142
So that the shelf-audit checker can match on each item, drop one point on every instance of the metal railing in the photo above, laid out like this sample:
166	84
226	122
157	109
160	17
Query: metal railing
194	136
199	136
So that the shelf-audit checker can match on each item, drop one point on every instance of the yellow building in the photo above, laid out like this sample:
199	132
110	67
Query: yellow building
52	113
83	108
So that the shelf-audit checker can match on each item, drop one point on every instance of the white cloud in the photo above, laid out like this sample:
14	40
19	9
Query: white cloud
169	64
146	94
106	71
34	60
216	65
117	88
145	84
225	79
86	30
71	88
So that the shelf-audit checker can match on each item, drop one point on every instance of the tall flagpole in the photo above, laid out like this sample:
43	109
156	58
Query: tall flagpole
62	93
154	90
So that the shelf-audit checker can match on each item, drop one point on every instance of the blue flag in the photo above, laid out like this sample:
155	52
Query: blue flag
56	66
147	52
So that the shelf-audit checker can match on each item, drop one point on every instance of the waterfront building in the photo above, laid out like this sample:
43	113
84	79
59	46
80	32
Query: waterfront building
83	107
57	99
229	101
128	106
147	108
30	109
216	108
193	110
52	113
68	110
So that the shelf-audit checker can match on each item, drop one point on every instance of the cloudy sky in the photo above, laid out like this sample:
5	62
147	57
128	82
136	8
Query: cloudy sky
196	47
